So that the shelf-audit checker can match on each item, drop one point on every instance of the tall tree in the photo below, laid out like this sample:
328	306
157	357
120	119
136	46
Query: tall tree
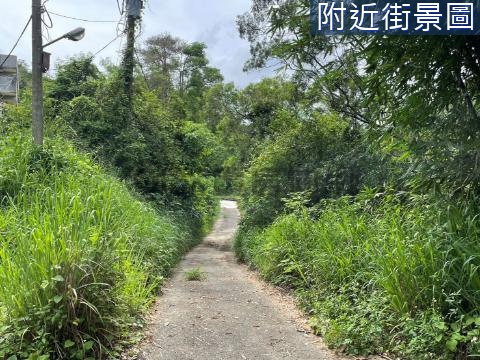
279	34
162	57
199	77
422	90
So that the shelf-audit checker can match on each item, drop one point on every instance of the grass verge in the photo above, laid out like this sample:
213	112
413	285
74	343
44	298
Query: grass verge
80	256
380	273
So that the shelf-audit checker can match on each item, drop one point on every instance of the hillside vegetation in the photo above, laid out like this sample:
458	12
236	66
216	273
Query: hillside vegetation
93	222
358	176
357	170
378	273
81	256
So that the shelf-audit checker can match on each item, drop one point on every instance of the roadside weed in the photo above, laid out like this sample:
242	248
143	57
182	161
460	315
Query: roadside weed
195	274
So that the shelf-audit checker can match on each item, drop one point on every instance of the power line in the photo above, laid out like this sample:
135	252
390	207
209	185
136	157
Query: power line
45	11
121	9
103	48
47	26
85	20
120	47
120	34
120	24
18	40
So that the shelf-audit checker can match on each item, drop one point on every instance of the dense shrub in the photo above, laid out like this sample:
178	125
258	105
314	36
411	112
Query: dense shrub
169	160
320	157
80	255
380	272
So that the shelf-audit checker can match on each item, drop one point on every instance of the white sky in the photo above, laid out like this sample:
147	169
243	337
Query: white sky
208	21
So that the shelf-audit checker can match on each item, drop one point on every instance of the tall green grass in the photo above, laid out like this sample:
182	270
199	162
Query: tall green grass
380	272
80	255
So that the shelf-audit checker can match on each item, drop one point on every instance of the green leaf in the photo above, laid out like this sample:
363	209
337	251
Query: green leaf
455	327
452	345
88	345
473	333
440	325
57	299
470	320
68	344
58	278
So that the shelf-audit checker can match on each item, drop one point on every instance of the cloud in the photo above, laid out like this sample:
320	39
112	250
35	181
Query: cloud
208	21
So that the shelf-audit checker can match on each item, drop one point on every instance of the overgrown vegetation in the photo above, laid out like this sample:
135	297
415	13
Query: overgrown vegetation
92	223
360	183
80	255
357	172
172	161
378	274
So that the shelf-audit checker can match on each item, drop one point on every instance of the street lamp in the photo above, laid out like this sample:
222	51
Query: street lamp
74	35
40	64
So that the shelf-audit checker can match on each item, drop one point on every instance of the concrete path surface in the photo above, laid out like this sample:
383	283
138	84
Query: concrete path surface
229	315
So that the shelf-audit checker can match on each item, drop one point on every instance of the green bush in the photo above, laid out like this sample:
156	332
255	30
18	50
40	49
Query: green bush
80	256
380	272
170	161
320	156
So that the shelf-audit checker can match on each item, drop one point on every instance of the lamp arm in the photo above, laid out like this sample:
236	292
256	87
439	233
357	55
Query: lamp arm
53	41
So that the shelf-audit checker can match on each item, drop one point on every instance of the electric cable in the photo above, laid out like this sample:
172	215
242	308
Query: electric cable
107	45
120	47
121	24
48	26
45	11
16	43
121	9
84	20
120	34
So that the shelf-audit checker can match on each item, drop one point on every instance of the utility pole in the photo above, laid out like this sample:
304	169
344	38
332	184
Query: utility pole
129	62
37	73
40	64
134	8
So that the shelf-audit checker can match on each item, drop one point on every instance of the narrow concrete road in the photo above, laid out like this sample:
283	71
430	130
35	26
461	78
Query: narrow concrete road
229	315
